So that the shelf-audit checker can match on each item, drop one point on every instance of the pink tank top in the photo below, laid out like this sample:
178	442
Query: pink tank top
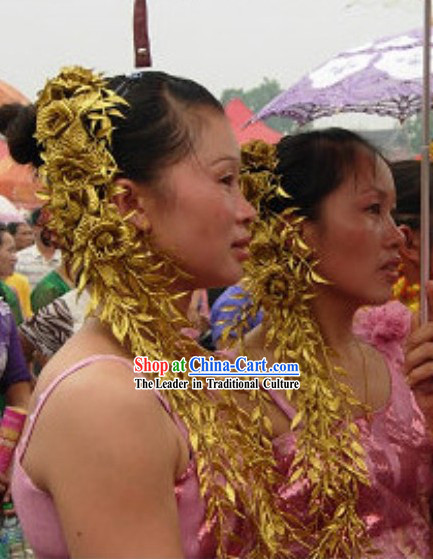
37	513
395	507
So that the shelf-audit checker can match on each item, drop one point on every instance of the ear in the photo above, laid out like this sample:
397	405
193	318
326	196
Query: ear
133	201
411	247
309	232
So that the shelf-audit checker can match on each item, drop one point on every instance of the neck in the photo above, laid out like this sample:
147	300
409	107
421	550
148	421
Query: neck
183	286
334	314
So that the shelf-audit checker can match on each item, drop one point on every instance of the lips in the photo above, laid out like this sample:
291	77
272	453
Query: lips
240	247
391	269
242	243
391	265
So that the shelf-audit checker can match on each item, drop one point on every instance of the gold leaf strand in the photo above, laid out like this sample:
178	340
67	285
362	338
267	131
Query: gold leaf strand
281	278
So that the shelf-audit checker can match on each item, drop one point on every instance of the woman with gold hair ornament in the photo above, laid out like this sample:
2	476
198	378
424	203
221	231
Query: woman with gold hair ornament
140	179
352	439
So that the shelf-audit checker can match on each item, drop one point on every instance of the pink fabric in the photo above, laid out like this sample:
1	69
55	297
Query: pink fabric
395	507
399	459
39	518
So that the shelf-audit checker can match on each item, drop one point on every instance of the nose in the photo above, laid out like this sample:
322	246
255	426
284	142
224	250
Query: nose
246	213
395	236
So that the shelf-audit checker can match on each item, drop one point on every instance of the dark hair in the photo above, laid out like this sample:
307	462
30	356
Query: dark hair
407	178
34	216
158	129
13	226
313	164
18	124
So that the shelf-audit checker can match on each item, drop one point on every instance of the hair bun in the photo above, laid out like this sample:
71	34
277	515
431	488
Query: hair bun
18	124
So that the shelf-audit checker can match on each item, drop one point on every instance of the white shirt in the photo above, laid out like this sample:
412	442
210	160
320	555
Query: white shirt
32	264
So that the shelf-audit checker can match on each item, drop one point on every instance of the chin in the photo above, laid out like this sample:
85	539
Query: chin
228	275
379	297
224	282
215	281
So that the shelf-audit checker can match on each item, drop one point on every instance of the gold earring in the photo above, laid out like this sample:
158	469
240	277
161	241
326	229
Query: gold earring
145	224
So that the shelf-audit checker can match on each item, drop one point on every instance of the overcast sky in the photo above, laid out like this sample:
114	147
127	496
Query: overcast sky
221	43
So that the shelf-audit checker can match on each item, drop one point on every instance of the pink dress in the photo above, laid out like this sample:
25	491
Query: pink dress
399	454
395	507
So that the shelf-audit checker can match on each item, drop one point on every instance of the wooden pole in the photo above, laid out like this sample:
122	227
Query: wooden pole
143	58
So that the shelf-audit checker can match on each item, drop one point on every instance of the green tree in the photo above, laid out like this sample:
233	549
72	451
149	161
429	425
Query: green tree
413	128
256	98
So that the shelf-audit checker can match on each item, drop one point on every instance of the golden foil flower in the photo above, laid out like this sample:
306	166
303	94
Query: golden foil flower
53	119
67	83
258	155
107	241
75	170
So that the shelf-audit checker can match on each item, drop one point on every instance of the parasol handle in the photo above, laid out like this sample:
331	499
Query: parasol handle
425	167
143	57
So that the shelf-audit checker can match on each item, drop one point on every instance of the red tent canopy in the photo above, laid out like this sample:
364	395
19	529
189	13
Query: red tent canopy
9	94
17	182
239	114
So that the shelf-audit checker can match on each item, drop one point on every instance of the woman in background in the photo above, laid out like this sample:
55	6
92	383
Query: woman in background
352	439
7	267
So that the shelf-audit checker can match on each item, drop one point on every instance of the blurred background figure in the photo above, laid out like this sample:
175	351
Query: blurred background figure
51	326
17	283
8	257
53	285
7	267
199	314
40	258
22	233
227	312
407	179
15	379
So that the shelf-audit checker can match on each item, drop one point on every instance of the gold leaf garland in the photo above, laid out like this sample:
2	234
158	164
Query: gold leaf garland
281	278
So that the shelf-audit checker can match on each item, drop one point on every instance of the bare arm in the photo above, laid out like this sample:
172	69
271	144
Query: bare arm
112	479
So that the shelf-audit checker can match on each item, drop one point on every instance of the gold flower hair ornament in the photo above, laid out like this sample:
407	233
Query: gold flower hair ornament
281	278
130	287
74	131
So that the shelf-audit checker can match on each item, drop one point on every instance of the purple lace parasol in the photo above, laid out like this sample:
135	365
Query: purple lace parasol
382	77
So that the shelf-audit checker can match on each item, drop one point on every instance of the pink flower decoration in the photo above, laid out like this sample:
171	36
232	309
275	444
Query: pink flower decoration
379	326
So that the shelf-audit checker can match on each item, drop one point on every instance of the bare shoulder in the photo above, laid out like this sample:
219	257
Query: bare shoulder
112	445
99	400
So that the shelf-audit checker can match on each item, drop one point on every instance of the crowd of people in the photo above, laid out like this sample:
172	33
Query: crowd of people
160	237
